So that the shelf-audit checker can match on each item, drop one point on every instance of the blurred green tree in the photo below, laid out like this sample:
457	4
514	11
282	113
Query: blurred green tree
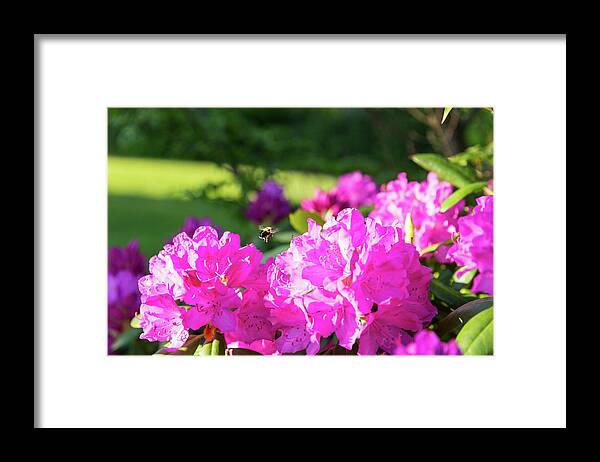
377	141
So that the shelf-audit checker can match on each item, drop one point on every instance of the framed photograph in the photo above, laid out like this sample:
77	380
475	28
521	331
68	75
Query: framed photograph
281	218
300	231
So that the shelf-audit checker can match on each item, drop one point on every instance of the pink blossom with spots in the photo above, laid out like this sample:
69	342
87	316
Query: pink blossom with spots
474	248
352	190
331	278
198	280
423	201
162	320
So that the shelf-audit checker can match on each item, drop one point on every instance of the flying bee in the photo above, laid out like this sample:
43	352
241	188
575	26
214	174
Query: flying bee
266	233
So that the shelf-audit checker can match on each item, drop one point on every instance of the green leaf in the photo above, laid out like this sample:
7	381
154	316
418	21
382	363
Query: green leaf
125	338
409	229
203	350
217	347
366	209
457	175
457	318
477	335
461	193
475	154
446	112
214	348
466	278
299	218
447	294
434	247
135	322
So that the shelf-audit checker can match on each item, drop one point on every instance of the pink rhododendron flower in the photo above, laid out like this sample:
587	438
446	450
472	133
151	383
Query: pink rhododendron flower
423	201
321	203
212	305
264	347
331	278
352	190
253	319
474	248
162	320
254	328
427	342
355	189
208	274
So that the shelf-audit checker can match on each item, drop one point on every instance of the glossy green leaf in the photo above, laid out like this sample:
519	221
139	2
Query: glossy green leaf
457	318
203	350
299	218
477	335
409	229
125	338
135	322
446	112
474	154
217	347
465	278
434	247
214	348
457	175
461	193
447	294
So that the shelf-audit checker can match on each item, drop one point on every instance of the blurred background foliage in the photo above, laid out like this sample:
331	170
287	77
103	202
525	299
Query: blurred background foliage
169	163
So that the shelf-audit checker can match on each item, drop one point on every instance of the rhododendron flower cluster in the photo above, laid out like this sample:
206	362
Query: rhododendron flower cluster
352	190
125	266
427	342
356	283
270	204
423	201
203	280
353	277
474	248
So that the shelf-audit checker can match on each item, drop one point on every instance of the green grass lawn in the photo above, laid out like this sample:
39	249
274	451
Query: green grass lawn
147	200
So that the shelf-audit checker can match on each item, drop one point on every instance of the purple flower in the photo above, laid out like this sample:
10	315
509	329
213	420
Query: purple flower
353	190
125	266
126	258
269	206
192	223
474	248
427	342
423	201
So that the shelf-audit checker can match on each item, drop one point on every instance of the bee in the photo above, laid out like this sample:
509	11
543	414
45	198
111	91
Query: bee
266	233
